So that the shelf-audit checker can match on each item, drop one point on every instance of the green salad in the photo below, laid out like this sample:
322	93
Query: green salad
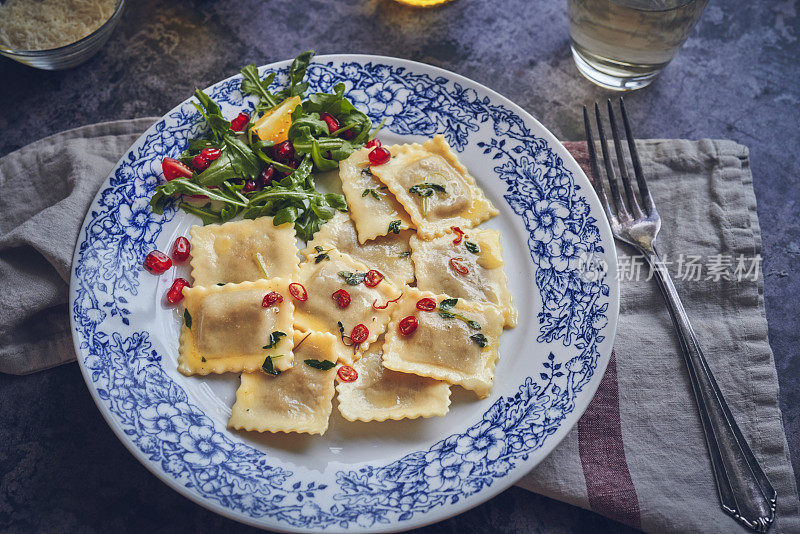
266	164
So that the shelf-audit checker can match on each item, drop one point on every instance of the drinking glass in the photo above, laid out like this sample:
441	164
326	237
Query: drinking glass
625	44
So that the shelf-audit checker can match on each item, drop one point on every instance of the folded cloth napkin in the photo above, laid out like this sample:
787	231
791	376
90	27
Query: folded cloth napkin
637	455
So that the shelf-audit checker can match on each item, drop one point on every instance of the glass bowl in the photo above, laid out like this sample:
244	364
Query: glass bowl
70	55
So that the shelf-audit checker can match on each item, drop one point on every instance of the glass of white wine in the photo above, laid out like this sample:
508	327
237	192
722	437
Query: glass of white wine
625	44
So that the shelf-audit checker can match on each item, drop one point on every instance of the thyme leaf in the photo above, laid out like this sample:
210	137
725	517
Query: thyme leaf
352	279
323	365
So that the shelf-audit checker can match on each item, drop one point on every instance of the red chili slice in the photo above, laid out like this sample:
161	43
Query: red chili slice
457	266
175	293
385	305
173	168
347	374
373	278
408	325
270	299
342	298
298	292
426	304
359	334
459	236
180	249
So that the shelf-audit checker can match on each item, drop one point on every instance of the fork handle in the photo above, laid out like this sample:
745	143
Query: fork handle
744	490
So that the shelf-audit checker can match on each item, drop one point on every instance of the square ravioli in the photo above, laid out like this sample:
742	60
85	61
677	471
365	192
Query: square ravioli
298	399
435	189
456	342
227	329
373	208
379	393
242	251
468	266
323	310
388	254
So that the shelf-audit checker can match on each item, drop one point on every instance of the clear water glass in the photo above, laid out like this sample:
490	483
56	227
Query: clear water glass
625	44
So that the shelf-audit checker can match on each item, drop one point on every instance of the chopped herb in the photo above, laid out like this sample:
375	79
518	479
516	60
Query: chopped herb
323	365
221	283
274	339
366	171
373	192
268	367
343	335
405	254
352	279
472	247
427	189
394	227
480	339
445	312
203	359
323	254
187	319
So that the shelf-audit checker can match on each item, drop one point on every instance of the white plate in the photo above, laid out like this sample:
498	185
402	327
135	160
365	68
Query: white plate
359	476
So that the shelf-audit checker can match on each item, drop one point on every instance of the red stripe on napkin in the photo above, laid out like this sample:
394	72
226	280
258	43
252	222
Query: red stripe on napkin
608	481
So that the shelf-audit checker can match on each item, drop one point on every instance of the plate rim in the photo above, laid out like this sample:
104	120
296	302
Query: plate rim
500	485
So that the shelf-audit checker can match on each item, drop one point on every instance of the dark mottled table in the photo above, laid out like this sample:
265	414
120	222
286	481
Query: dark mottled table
62	469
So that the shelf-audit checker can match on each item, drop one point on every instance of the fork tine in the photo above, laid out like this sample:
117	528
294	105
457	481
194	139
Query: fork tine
649	206
597	179
623	167
619	204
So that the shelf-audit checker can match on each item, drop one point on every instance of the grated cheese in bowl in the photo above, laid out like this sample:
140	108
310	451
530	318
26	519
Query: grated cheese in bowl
48	24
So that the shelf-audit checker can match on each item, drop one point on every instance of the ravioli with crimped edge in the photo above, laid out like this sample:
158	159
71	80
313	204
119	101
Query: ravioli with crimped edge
295	400
448	339
435	189
227	328
241	251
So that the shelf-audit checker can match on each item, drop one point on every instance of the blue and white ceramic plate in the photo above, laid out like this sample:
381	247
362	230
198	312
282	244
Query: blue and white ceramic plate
359	477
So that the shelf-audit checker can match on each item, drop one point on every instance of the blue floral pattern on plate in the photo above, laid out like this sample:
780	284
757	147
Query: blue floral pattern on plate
160	420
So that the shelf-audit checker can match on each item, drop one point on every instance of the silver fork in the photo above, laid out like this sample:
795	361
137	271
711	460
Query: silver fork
744	490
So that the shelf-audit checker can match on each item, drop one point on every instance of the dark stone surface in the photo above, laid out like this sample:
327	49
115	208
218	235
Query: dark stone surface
62	469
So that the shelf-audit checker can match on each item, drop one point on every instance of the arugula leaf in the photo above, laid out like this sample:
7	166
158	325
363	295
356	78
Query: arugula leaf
253	85
472	247
236	162
274	339
296	74
210	111
352	279
323	365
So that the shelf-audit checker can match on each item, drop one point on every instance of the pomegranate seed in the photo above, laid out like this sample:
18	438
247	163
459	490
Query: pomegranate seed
210	153
379	156
348	134
347	374
249	186
331	121
426	304
157	262
266	176
172	169
342	298
298	292
240	122
408	325
283	152
359	334
373	278
294	163
200	163
270	299
375	143
175	293
180	249
457	266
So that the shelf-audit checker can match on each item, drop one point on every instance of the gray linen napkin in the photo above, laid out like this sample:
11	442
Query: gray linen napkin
637	455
